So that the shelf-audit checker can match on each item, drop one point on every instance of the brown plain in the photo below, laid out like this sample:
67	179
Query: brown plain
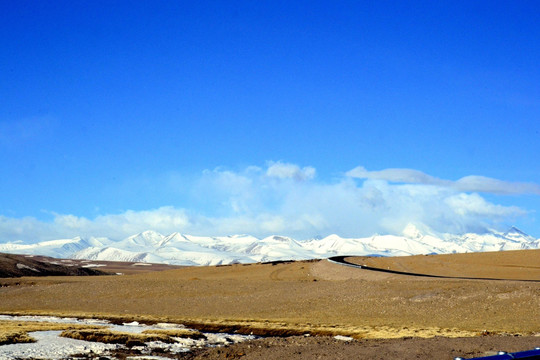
500	265
315	297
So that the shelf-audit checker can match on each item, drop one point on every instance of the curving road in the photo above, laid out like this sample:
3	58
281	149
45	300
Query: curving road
341	261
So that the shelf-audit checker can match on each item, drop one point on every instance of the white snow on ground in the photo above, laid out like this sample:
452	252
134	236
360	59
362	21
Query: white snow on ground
93	265
176	348
50	345
22	266
343	338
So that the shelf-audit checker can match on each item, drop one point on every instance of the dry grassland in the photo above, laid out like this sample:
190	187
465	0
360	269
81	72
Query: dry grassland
516	265
12	332
314	297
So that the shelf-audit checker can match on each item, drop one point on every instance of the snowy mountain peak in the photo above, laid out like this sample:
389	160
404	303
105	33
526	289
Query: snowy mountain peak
146	238
277	238
180	249
514	231
411	231
150	234
174	237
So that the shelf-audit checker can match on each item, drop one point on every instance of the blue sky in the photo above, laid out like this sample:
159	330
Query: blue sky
266	117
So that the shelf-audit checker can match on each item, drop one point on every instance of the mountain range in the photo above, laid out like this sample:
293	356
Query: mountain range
181	249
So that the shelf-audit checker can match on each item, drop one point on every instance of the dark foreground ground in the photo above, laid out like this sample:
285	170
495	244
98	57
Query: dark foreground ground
300	347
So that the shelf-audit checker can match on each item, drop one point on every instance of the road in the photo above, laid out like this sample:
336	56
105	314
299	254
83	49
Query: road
341	261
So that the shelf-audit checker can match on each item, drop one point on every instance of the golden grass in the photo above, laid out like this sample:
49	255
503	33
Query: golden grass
12	332
15	338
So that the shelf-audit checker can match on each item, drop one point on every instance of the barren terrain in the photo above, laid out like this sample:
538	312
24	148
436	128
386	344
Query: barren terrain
29	265
12	265
310	297
514	265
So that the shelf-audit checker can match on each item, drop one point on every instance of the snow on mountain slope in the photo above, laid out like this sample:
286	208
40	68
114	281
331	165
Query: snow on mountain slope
62	248
278	248
335	245
110	253
234	243
144	239
513	239
181	249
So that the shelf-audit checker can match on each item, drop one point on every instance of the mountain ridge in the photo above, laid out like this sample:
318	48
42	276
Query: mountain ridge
184	249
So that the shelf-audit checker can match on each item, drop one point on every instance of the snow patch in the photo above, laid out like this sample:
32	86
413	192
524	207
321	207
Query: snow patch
93	265
22	266
343	338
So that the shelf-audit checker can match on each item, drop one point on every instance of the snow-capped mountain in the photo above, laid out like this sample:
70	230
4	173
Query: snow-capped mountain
62	248
180	249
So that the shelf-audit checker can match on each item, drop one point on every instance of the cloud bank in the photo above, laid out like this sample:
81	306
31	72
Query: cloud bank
471	183
287	199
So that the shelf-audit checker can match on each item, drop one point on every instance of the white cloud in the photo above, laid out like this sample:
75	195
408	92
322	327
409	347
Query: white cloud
286	199
290	171
114	226
473	205
472	183
394	175
165	219
494	186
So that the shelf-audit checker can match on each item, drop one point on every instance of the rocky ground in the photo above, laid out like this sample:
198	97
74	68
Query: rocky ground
303	348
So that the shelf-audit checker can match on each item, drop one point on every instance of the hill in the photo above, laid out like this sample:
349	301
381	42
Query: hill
27	265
